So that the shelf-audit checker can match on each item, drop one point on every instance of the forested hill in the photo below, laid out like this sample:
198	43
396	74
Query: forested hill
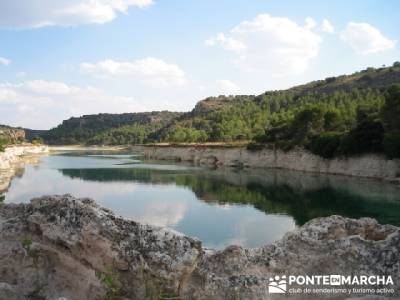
109	129
232	118
342	115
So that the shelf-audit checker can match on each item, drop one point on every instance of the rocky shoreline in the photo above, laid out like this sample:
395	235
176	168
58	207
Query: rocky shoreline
368	165
14	158
61	247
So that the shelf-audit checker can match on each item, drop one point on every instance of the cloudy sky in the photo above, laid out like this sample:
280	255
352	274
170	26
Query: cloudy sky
72	57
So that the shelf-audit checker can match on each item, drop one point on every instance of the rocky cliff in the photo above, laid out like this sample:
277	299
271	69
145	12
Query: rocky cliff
60	247
12	134
374	166
13	158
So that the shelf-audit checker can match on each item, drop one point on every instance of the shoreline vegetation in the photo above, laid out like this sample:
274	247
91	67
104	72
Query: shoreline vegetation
218	154
339	116
337	119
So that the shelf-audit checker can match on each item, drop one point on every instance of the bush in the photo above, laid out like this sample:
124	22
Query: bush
326	144
255	146
391	145
37	141
330	79
3	144
366	137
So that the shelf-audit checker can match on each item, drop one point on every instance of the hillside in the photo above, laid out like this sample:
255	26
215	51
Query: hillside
109	128
324	116
230	118
11	134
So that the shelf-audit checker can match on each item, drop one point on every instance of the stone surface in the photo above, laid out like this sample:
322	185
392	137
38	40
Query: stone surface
13	159
12	134
371	165
60	246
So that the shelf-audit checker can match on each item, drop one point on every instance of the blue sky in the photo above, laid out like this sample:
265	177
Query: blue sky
72	57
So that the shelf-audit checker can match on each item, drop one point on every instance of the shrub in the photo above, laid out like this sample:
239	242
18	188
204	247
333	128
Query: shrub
366	137
326	144
3	144
37	141
255	146
330	79
391	145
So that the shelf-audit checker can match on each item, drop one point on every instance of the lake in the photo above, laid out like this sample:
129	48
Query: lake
220	206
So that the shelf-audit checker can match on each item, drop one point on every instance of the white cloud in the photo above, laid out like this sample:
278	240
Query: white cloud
49	87
43	104
152	71
310	23
275	45
327	27
227	87
4	61
366	39
162	213
6	93
228	43
39	13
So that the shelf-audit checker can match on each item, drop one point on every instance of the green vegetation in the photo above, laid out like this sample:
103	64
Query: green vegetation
275	114
185	135
109	129
3	143
344	115
37	141
391	122
280	194
110	283
27	245
10	135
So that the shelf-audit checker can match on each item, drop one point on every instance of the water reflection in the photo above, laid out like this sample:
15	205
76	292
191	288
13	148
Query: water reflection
221	207
300	195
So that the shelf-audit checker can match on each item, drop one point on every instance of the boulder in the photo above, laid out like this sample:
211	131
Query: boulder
61	247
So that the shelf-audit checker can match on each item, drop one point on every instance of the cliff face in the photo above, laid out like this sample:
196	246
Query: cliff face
374	166
14	157
62	247
12	134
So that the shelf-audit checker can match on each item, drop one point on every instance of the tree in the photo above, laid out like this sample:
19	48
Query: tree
366	137
391	121
391	109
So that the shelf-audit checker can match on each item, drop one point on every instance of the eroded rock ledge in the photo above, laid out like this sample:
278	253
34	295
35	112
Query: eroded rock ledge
13	159
368	165
64	247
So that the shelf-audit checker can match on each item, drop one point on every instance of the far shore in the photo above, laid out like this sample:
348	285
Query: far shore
87	148
127	147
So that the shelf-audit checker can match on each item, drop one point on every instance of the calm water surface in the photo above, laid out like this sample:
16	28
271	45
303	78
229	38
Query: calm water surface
220	207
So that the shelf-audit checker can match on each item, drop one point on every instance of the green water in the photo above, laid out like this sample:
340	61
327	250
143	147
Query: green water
219	206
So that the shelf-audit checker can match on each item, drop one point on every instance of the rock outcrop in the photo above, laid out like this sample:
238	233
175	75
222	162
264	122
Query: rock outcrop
12	134
60	247
370	165
13	158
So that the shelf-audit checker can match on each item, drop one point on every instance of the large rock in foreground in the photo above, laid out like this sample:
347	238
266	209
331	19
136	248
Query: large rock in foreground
63	247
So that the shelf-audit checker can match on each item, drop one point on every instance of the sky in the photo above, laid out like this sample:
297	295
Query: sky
67	58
